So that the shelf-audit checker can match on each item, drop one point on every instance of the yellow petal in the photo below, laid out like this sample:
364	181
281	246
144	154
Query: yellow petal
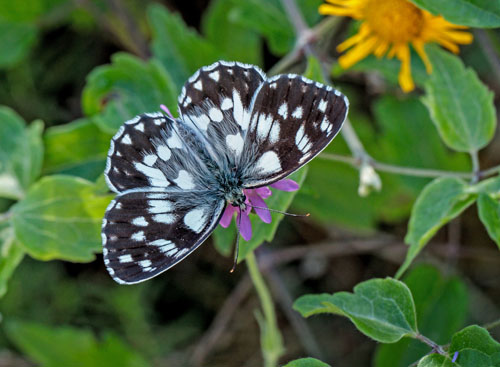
404	77
326	9
419	47
351	41
358	53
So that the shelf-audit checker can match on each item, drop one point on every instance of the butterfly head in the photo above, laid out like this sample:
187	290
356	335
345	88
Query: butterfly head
236	198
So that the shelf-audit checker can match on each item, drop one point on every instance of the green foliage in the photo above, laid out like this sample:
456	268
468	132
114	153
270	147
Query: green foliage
18	38
382	309
21	153
475	347
180	50
222	29
434	296
11	255
66	346
60	218
306	362
489	213
472	13
78	148
117	92
440	201
466	124
435	360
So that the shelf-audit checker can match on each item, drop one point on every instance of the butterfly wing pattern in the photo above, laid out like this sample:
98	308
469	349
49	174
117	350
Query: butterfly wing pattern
167	173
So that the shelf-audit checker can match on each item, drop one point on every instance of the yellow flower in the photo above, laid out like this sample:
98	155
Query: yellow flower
388	27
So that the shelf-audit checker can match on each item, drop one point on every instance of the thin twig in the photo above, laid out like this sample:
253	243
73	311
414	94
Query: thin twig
435	347
220	322
303	32
476	169
492	325
302	330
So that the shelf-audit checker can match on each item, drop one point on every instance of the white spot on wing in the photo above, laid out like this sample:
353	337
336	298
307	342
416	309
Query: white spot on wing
235	143
324	125
300	134
322	105
164	218
227	103
125	259
140	221
269	162
126	139
195	220
298	112
215	114
138	236
198	85
163	152
150	173
164	245
239	113
139	127
150	159
274	134
159	206
264	125
184	180
214	76
174	141
145	264
201	121
283	110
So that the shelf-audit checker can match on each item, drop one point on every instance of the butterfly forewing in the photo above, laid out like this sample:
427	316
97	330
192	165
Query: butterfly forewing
216	103
153	150
146	232
293	119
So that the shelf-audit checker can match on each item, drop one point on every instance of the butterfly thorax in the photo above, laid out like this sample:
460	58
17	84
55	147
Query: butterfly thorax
231	189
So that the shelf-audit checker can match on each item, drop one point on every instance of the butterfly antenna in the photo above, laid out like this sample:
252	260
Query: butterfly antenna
237	248
279	211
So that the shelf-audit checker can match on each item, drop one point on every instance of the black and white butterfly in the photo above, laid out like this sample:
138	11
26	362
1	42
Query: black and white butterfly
237	130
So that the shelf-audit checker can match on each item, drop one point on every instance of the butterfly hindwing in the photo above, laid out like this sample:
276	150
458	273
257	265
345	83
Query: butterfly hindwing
293	119
146	232
153	150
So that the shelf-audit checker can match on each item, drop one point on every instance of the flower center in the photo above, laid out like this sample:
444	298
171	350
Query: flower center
394	21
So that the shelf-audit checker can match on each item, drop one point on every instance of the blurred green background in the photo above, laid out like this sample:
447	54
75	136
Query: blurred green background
73	71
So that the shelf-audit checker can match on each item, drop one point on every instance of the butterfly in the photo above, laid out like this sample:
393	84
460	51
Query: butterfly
237	129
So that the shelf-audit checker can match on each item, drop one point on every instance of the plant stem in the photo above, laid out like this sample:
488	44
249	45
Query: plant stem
476	171
492	325
436	348
271	340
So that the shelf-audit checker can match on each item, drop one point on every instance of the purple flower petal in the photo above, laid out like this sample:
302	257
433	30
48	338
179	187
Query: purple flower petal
256	200
227	216
245	226
165	108
264	192
455	356
286	185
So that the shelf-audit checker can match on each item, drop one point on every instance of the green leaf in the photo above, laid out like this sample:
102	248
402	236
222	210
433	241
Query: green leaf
268	18
472	13
67	346
10	256
60	218
262	232
307	362
435	360
129	86
489	213
475	347
465	124
234	41
21	153
440	201
179	49
78	148
434	295
382	309
16	41
313	70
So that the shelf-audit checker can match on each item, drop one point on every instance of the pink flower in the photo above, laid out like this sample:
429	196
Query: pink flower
255	198
165	108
